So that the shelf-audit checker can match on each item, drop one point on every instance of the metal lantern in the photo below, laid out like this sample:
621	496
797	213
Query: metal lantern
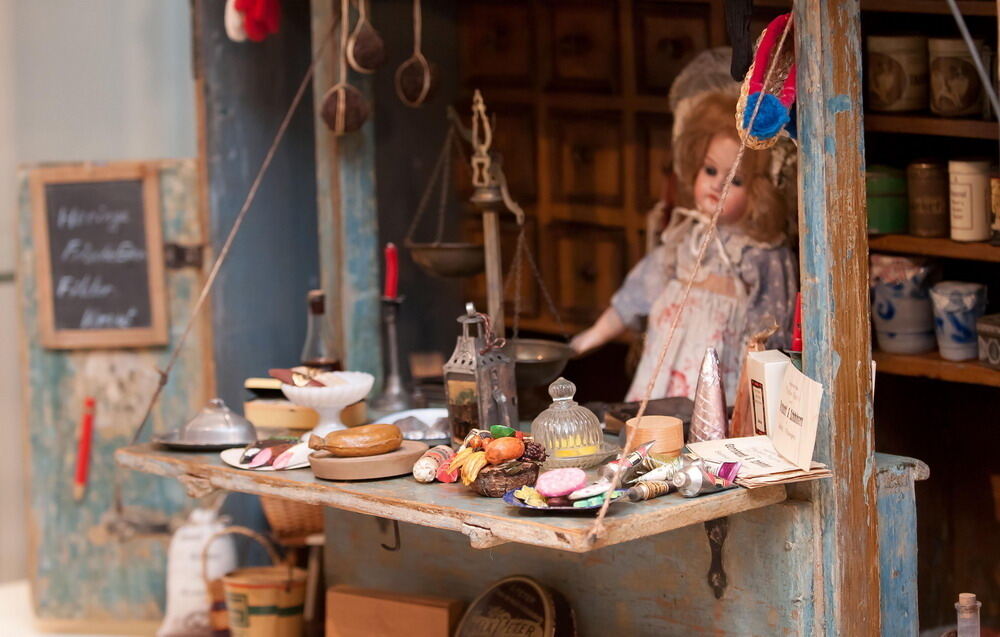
479	379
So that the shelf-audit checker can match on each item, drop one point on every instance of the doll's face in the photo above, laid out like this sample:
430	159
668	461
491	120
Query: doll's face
719	160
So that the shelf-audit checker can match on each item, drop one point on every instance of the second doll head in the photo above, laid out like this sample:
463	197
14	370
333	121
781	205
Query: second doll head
705	150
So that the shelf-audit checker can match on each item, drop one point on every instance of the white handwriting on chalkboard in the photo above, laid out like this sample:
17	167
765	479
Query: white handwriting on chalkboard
73	218
85	287
80	251
95	319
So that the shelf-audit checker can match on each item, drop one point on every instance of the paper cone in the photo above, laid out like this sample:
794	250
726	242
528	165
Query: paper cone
708	420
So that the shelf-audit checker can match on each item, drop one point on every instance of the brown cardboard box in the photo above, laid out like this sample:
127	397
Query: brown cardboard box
358	612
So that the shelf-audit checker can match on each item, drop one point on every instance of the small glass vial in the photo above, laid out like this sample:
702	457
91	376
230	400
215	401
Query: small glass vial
570	433
967	610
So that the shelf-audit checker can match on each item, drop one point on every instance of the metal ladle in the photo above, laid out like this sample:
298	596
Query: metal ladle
344	108
415	77
365	48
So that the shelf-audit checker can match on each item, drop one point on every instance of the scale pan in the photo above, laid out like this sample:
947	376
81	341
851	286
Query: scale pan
448	259
537	361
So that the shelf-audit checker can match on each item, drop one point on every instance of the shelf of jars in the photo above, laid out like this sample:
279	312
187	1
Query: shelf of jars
931	125
934	247
931	365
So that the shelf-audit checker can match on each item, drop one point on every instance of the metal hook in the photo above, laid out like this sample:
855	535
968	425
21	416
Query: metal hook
395	533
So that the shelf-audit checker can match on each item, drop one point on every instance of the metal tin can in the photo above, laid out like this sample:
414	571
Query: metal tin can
897	73
988	333
969	199
885	188
927	192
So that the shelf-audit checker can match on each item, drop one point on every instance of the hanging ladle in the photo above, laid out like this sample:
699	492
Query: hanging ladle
344	108
415	77
365	49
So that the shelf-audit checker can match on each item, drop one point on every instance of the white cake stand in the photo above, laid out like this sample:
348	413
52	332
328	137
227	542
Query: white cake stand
330	401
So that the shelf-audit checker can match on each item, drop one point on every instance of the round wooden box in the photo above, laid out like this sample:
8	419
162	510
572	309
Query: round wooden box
386	465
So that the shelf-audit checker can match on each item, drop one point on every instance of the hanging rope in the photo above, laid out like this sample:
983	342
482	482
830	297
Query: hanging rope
597	529
227	245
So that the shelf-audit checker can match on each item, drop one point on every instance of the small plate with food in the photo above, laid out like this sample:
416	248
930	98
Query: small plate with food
364	453
272	454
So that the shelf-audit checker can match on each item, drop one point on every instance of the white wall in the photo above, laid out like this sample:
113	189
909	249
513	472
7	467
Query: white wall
79	80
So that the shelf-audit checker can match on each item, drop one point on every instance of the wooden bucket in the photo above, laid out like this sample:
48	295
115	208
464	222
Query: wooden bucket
256	602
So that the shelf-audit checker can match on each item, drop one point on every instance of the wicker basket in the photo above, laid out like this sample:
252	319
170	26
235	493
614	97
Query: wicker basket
291	522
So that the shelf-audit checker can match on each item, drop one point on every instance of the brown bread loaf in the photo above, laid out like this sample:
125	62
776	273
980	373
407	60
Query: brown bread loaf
366	440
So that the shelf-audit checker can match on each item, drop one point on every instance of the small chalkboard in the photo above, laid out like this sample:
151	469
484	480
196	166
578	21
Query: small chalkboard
99	255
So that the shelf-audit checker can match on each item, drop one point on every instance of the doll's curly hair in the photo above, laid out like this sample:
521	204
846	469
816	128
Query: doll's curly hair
715	114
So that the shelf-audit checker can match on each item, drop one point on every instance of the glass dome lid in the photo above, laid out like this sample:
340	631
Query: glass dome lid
570	432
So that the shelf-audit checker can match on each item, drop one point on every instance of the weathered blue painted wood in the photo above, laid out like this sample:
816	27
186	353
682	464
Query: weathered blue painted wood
79	571
258	302
651	587
834	264
897	530
347	216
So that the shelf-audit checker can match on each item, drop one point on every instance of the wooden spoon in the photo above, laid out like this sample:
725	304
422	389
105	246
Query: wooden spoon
344	108
365	48
415	77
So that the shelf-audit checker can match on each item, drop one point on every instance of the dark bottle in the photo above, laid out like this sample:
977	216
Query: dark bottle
318	351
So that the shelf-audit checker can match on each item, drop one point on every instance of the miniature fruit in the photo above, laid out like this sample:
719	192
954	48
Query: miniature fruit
460	458
503	449
472	466
499	431
534	451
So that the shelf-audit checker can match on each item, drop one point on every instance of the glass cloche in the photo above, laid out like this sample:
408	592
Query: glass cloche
571	433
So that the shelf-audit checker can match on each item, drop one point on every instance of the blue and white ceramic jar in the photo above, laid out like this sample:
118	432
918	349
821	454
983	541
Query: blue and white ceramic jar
901	307
957	307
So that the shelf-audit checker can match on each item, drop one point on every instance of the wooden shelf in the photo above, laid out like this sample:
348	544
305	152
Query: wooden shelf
933	366
930	125
967	7
940	7
906	244
487	521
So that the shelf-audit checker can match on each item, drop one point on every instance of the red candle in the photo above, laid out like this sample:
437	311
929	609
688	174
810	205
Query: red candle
83	449
797	325
391	286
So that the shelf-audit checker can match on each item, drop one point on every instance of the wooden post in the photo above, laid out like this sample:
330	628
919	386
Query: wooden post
834	249
348	226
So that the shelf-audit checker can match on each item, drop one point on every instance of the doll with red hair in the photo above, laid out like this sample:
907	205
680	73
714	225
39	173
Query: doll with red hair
747	280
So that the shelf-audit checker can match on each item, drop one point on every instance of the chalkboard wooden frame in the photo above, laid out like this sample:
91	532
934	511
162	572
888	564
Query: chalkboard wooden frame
60	338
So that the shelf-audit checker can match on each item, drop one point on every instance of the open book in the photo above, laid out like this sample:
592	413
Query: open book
785	454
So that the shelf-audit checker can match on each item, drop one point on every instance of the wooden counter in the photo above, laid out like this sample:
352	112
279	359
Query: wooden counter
487	521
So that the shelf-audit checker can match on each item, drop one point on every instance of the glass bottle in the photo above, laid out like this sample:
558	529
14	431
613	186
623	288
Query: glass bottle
570	433
967	611
318	351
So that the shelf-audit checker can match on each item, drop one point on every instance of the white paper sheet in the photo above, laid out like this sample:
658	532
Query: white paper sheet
794	431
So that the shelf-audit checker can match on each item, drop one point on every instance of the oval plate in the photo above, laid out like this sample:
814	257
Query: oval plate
171	441
512	500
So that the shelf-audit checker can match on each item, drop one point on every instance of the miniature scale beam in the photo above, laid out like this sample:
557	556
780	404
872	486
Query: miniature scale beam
488	522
